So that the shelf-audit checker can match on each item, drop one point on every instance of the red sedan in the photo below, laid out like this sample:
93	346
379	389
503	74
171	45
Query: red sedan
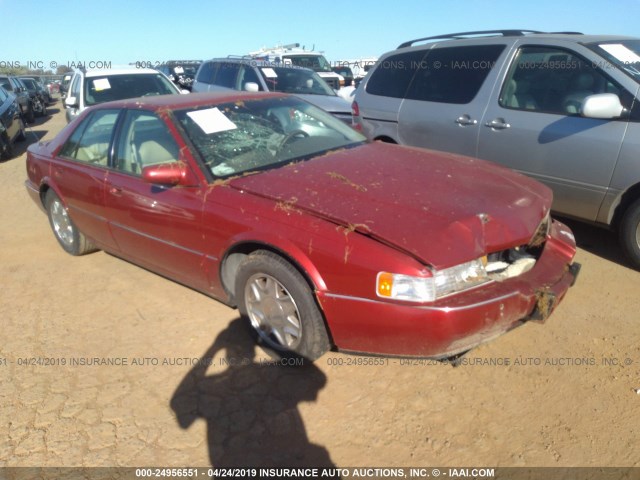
320	238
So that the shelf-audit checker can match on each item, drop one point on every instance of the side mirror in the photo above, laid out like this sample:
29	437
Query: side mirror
251	87
173	173
71	102
603	106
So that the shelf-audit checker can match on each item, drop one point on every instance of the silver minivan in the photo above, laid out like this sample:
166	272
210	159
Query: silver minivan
563	108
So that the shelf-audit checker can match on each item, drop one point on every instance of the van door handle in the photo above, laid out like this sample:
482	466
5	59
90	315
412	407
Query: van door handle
465	120
498	124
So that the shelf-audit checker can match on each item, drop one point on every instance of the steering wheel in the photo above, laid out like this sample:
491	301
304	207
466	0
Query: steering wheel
291	136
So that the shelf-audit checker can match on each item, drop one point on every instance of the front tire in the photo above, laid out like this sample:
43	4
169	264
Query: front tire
630	233
279	304
65	231
22	135
6	149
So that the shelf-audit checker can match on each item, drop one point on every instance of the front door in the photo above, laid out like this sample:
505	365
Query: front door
156	226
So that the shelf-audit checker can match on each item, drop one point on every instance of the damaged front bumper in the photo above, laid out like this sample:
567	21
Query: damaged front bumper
458	323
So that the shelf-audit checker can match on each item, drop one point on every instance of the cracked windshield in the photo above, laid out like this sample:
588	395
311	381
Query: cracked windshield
243	136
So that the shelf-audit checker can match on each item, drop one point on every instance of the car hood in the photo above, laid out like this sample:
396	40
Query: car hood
442	209
329	103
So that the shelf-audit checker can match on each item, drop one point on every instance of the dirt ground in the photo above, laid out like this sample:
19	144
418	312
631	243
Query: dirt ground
99	367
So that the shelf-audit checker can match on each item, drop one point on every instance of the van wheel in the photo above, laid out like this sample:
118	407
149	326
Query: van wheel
280	307
630	233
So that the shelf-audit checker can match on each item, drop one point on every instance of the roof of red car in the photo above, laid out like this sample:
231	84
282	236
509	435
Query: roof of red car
175	102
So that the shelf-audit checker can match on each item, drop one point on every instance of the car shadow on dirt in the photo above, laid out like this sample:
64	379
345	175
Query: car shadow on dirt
599	241
250	406
34	132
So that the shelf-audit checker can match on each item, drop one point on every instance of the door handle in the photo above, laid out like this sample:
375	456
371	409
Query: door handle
465	120
498	124
115	190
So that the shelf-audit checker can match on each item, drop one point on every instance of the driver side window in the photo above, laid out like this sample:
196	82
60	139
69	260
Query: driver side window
145	140
552	80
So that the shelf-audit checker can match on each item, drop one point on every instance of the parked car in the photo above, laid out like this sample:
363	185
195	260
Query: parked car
12	85
92	87
568	104
64	85
345	71
44	87
319	237
244	73
11	126
293	54
38	98
180	72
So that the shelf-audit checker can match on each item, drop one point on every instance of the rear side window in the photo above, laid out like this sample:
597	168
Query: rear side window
453	74
89	143
392	76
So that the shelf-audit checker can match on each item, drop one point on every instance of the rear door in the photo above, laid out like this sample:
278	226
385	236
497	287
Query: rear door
533	125
446	100
79	172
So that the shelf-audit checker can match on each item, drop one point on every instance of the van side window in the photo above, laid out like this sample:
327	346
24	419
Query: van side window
207	72
554	80
453	75
227	74
392	76
248	75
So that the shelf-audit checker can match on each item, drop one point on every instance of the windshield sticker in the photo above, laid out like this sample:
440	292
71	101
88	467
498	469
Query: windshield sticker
212	120
178	70
269	73
101	84
620	52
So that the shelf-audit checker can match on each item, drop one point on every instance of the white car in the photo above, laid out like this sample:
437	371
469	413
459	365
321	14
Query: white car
292	54
92	87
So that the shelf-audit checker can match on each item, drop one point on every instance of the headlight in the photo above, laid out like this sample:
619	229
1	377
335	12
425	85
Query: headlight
542	232
427	289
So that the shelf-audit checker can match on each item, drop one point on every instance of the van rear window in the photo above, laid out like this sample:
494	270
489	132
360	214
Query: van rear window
447	75
453	74
394	73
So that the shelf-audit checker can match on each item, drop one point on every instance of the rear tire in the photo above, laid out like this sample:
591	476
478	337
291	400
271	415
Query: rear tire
69	237
630	234
280	307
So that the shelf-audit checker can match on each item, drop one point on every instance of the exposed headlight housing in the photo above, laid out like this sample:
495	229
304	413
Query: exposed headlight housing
430	288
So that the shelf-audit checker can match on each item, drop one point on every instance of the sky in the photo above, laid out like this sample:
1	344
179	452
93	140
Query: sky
120	32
